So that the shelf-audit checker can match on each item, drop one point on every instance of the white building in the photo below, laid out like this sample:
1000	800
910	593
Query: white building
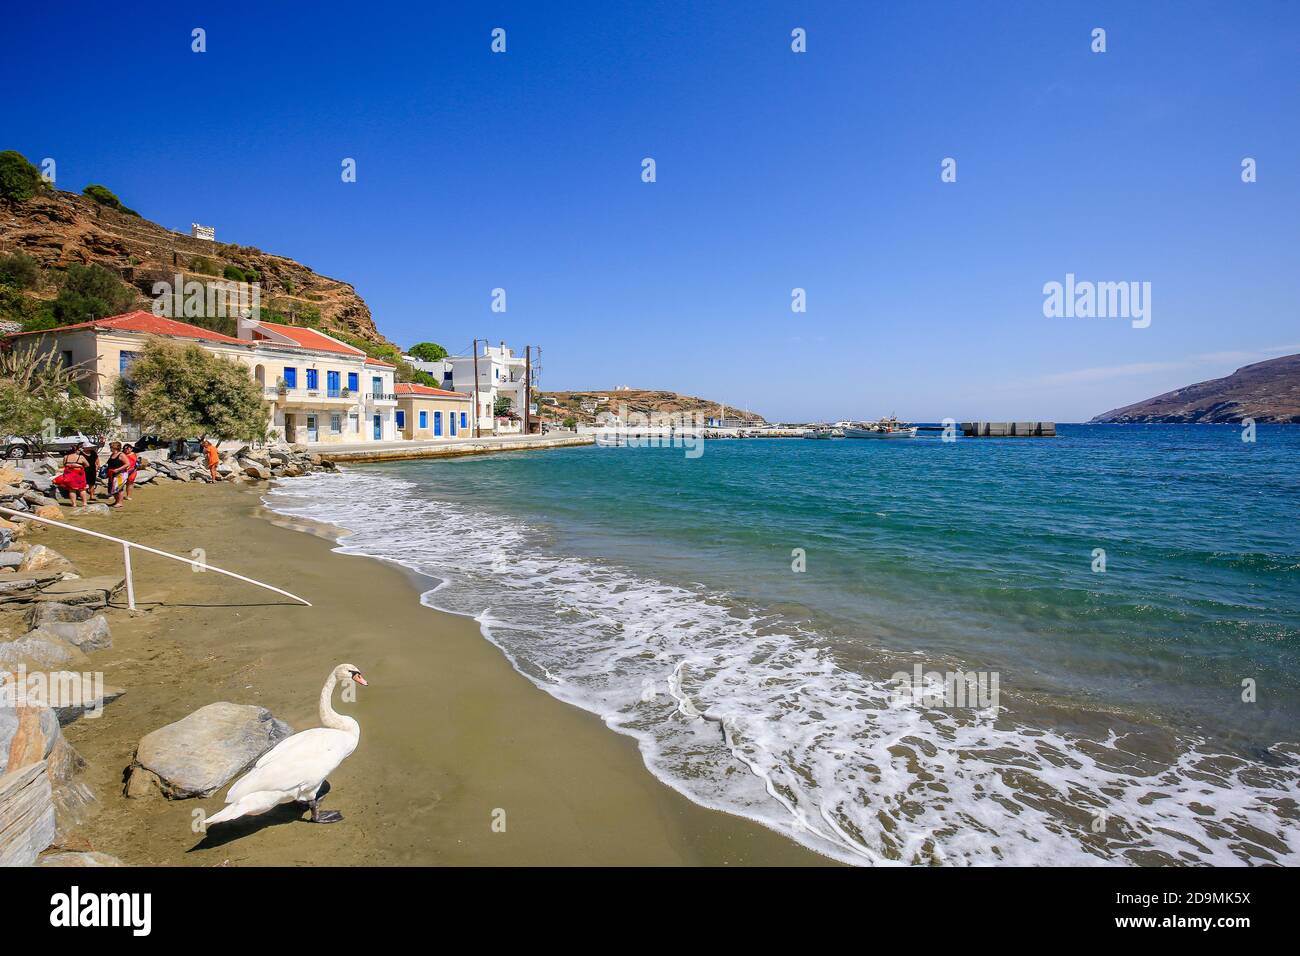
501	374
319	390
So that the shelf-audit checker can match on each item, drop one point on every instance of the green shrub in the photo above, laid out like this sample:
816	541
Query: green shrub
91	292
105	197
428	351
19	179
19	271
233	273
204	265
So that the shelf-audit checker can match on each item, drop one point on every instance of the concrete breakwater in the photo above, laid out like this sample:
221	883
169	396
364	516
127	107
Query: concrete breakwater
447	449
1008	429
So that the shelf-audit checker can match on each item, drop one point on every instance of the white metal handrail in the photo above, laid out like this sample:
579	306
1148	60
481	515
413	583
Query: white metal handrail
126	557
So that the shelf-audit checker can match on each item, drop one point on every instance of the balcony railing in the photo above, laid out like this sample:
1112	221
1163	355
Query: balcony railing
381	397
302	394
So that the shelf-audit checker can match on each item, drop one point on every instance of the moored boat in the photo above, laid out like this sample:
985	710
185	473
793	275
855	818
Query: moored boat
885	428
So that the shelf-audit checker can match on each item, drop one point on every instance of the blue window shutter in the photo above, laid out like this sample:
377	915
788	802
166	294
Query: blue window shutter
464	420
437	423
124	361
352	381
401	418
313	379
291	377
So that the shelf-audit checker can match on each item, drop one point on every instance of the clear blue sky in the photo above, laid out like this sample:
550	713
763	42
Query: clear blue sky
775	170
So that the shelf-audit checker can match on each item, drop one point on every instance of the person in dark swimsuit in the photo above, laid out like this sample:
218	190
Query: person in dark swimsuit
92	468
118	466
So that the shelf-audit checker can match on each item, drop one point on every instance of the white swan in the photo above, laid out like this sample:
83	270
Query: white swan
295	768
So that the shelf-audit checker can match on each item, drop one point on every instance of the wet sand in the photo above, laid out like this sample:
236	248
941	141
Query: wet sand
452	738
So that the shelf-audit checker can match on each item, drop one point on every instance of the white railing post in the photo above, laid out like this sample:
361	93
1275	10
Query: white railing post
130	584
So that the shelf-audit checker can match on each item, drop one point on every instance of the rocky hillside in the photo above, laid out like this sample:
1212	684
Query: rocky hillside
585	406
59	229
1266	391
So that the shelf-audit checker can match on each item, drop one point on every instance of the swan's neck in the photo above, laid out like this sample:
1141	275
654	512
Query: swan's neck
331	719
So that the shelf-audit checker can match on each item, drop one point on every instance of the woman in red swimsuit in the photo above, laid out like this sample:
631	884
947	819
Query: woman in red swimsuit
73	479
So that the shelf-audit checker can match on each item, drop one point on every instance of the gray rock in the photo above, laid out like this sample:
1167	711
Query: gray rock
41	558
96	591
145	475
69	694
94	508
40	649
10	559
37	499
9	491
29	826
52	611
255	469
92	634
201	753
90	858
39	478
27	734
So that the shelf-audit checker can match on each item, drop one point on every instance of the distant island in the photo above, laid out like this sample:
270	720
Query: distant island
1268	392
584	407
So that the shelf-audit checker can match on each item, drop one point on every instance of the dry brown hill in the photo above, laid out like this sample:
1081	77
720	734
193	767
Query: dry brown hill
58	229
1266	391
570	405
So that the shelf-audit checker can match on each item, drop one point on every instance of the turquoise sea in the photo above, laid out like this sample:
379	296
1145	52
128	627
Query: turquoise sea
1134	591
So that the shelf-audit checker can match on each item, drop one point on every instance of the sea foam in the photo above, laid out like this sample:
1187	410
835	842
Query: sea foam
748	714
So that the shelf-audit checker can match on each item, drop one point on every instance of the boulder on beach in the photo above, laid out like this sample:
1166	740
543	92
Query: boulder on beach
93	592
87	858
92	634
255	469
27	820
94	508
41	558
28	733
34	497
53	611
40	650
145	475
201	753
70	695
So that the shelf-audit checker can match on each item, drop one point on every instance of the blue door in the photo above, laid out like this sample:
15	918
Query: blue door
437	424
452	418
332	384
379	428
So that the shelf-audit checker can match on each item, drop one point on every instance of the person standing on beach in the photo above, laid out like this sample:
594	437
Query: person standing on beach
91	454
117	469
213	457
132	466
73	478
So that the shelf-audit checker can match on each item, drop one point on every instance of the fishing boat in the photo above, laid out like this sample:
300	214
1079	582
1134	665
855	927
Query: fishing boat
889	427
818	432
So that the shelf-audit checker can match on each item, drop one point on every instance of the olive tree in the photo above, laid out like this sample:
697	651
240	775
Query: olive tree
186	392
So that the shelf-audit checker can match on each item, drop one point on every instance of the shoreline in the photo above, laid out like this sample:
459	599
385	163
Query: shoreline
451	733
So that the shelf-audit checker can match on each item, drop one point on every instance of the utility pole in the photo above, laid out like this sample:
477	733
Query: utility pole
474	349
528	389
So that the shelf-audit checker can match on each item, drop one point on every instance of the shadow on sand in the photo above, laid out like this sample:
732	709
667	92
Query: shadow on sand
223	833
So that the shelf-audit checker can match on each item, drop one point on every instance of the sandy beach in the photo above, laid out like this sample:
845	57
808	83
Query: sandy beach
451	735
